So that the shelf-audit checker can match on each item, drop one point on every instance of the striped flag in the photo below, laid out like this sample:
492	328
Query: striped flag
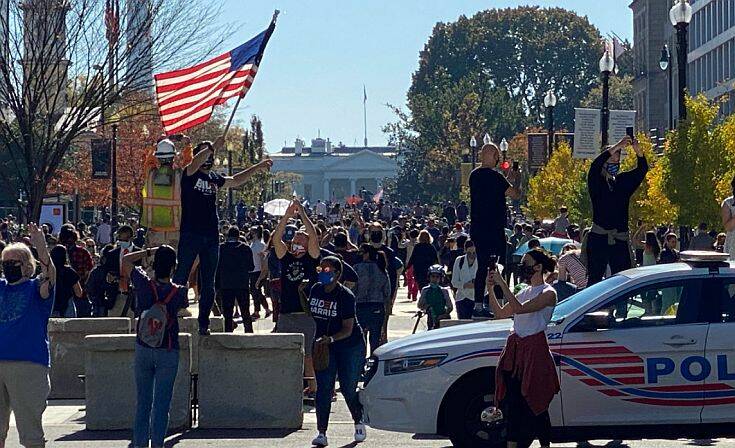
187	97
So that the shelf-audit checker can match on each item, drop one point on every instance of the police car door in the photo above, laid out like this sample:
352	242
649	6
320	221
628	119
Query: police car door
636	359
719	387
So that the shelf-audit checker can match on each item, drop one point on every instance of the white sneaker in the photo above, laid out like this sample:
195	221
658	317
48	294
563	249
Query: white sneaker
320	440
360	432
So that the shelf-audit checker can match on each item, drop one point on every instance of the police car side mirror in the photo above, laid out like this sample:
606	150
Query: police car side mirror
592	322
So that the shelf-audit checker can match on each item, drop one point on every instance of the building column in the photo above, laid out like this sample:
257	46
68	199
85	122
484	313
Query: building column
327	193
353	186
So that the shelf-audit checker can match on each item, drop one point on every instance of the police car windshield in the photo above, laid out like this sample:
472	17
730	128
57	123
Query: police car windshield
573	303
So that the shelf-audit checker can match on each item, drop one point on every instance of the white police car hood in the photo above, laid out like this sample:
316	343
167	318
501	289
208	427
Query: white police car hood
451	341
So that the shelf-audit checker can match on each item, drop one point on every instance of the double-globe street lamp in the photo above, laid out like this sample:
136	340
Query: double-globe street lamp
550	103
473	145
607	65
665	64
680	16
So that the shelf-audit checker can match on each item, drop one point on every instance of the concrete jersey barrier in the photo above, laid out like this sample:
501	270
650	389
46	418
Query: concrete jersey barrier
66	338
110	383
265	370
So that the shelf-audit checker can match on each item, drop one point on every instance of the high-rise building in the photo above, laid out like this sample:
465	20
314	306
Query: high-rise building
711	67
4	30
650	18
139	71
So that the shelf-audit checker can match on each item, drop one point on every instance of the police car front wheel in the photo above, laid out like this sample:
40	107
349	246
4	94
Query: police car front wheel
463	414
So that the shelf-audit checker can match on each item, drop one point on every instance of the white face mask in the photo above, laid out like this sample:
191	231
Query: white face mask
124	244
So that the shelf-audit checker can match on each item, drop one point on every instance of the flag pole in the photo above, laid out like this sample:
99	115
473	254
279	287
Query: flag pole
239	98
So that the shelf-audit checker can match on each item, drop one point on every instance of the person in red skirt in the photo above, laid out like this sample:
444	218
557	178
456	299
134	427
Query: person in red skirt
526	379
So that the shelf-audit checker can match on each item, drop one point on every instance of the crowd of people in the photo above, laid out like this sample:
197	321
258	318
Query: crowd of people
328	271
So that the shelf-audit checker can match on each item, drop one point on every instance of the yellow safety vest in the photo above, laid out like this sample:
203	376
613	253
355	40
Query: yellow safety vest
162	199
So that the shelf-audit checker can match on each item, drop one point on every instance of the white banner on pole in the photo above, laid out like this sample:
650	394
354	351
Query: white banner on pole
586	133
619	121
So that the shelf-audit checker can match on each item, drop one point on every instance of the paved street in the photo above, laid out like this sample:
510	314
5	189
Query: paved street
64	421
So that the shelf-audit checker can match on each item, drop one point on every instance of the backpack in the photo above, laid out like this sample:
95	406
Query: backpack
435	301
154	321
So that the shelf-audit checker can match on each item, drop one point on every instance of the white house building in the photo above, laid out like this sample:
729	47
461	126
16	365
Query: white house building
335	172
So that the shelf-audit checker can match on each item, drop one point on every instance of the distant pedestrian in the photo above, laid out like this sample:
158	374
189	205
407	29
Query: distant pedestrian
436	300
463	280
670	254
68	287
422	257
372	294
235	259
702	240
728	222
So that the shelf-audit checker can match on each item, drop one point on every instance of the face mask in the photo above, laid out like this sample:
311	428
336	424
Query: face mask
208	164
471	256
325	278
13	272
124	244
298	249
527	273
613	169
376	237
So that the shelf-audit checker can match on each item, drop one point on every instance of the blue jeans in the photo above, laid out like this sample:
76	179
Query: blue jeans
371	317
155	374
346	361
206	248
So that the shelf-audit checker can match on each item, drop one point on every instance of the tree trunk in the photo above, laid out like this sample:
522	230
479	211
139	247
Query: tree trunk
35	201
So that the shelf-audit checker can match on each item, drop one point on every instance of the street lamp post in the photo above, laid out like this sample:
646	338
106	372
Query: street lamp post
504	150
680	16
113	174
550	103
607	64
665	64
473	145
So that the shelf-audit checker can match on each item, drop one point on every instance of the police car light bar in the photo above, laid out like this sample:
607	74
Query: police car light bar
697	256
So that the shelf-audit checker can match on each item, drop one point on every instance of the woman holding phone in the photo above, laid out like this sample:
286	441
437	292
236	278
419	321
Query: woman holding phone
526	379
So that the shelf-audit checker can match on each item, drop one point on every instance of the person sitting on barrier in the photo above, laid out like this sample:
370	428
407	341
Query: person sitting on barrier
157	349
436	300
25	307
339	347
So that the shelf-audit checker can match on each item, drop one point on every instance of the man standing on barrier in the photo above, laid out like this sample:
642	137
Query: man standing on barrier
200	222
608	243
488	190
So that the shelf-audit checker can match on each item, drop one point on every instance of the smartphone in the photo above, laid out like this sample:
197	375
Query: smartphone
492	263
516	166
631	132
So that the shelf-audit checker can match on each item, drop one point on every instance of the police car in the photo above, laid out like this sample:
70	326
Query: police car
648	352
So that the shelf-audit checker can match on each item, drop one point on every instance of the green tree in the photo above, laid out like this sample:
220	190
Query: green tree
696	160
621	94
525	51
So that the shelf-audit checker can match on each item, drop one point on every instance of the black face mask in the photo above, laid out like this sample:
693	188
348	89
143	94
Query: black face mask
208	164
376	237
13	272
527	273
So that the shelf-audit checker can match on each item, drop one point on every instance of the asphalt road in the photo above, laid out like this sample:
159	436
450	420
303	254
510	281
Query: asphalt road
64	422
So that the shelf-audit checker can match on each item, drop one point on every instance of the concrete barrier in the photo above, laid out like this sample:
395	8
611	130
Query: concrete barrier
110	383
251	381
66	338
454	322
191	325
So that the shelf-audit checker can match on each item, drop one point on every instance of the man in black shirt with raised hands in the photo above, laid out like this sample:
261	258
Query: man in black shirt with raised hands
488	214
200	223
610	191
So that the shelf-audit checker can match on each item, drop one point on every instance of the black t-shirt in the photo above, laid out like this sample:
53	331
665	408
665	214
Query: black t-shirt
487	192
199	202
611	197
66	278
329	309
293	272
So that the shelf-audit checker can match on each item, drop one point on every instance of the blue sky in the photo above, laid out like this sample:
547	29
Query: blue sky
323	51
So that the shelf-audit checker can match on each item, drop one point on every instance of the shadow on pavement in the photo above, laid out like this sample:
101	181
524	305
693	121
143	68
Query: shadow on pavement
194	434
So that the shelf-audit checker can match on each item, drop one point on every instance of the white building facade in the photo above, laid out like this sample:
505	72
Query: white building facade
336	172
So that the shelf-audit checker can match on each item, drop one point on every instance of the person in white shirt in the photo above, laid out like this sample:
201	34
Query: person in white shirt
258	246
463	280
321	209
104	233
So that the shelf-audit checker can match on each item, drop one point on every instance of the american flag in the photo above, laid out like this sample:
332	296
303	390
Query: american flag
187	97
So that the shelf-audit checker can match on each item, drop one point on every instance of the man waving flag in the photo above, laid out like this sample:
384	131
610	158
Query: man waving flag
187	97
